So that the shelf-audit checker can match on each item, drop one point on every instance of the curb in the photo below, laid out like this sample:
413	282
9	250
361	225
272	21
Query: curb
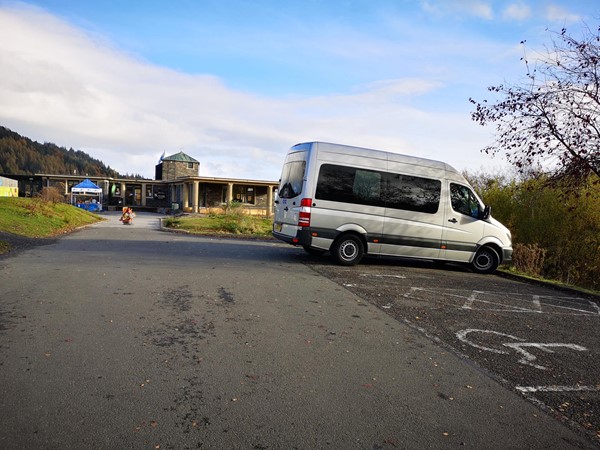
567	289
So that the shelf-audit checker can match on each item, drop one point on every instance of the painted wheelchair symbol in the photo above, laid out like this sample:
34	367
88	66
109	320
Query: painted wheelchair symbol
516	344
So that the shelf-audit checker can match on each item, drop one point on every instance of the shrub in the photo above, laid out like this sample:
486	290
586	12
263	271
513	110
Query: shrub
52	194
556	233
172	222
529	258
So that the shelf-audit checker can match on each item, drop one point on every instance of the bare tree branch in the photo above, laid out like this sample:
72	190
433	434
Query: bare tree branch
552	120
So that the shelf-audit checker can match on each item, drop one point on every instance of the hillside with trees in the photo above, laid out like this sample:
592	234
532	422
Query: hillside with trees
22	156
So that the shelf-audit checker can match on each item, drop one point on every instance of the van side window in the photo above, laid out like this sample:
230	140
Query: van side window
367	186
464	201
375	188
292	179
349	185
413	193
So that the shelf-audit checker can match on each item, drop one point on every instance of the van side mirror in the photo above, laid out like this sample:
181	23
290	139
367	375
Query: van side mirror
486	213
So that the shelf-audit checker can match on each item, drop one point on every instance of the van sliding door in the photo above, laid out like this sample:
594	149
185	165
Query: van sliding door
349	198
413	217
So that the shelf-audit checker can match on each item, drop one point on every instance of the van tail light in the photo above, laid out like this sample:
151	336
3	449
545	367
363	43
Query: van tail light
304	216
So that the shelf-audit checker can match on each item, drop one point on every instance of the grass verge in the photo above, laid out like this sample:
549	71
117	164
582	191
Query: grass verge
557	284
37	218
228	224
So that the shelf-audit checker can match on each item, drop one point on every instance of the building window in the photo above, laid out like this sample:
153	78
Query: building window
243	194
190	165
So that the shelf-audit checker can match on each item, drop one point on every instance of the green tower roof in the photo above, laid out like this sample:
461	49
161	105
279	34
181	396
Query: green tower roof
179	157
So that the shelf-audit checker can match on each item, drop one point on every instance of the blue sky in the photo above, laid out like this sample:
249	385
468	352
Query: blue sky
236	83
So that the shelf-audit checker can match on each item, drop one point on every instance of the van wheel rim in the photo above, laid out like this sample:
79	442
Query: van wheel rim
348	251
484	261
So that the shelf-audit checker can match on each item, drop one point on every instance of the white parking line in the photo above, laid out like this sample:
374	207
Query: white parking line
533	389
595	306
462	336
529	358
526	358
412	291
378	275
519	303
503	307
469	303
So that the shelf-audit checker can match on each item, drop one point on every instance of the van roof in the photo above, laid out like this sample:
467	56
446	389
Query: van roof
381	154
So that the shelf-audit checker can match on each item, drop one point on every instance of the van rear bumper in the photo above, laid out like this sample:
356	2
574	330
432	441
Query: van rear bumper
302	237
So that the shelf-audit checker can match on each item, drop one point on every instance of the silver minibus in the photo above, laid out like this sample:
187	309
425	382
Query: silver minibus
353	201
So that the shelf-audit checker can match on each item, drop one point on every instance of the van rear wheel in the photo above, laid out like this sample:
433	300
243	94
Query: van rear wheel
486	260
348	250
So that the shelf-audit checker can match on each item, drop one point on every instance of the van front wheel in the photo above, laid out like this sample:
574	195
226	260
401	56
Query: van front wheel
486	260
348	250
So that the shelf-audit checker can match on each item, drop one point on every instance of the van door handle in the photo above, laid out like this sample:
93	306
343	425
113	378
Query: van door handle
453	220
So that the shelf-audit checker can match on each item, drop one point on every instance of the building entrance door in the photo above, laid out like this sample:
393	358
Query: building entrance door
133	194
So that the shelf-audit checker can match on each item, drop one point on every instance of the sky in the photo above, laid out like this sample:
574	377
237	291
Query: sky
235	84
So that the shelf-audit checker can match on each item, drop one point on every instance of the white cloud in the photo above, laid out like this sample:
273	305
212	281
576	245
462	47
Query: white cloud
415	86
517	11
61	85
476	8
483	9
557	14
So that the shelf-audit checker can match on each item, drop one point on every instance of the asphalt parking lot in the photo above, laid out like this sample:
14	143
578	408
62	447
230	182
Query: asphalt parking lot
128	337
540	342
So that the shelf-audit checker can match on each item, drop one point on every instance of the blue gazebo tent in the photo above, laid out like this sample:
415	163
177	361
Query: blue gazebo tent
87	195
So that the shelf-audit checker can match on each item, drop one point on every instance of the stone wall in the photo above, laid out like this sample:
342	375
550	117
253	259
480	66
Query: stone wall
176	169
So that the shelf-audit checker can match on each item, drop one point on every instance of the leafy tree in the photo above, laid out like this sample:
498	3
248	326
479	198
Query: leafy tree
499	191
551	120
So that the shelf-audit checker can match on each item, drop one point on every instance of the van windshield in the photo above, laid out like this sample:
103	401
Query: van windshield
292	179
